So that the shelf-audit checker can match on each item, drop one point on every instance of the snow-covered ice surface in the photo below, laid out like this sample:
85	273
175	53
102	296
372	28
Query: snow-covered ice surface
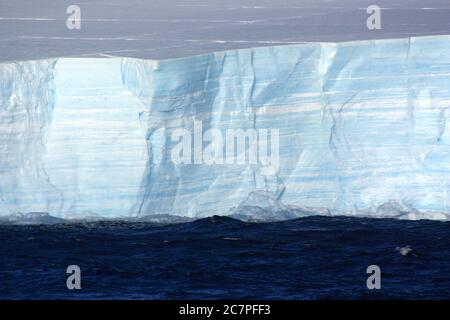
363	125
161	29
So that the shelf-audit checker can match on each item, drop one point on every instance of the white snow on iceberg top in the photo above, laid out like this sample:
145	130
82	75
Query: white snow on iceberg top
363	131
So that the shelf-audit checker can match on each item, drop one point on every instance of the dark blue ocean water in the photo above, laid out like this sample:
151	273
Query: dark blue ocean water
223	258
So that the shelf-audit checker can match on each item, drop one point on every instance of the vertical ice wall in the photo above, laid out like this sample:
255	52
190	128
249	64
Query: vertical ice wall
27	100
215	90
72	143
363	130
96	151
363	125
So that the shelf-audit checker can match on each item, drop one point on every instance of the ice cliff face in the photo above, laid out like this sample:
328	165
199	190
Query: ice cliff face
27	99
362	131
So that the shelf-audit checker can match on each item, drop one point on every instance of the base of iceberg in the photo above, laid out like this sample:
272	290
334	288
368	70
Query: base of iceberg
362	131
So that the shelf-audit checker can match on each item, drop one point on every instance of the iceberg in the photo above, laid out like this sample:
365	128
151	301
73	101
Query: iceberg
362	131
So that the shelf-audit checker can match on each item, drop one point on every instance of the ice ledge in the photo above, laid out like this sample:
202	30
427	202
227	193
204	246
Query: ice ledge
363	131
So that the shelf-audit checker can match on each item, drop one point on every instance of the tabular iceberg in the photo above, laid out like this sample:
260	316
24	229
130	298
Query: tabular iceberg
362	131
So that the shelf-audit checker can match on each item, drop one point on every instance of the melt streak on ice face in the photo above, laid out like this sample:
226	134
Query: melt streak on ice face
362	131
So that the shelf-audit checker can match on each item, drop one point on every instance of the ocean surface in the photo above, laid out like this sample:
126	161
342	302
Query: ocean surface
223	258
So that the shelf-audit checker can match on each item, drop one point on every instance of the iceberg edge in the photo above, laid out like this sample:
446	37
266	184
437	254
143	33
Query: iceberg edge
363	132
